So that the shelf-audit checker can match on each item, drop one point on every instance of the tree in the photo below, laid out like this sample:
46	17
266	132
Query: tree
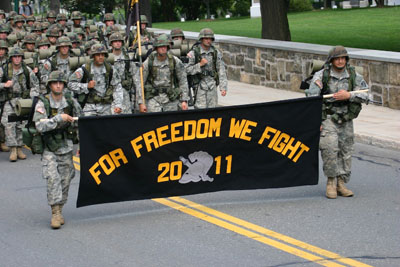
275	24
327	3
55	5
380	3
5	5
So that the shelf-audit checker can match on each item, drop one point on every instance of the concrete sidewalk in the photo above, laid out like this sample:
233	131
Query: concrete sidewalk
375	125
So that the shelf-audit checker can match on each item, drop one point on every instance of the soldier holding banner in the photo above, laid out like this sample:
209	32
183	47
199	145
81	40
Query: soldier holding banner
337	133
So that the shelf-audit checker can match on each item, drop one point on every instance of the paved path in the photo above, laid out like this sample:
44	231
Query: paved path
375	125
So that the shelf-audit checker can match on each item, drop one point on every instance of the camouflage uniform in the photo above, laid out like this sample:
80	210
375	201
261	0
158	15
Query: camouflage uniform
130	79
207	96
337	136
97	108
158	79
57	166
3	60
13	130
43	72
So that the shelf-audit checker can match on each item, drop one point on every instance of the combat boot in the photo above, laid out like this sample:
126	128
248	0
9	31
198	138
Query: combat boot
20	154
4	148
61	218
331	188
13	154
342	189
55	217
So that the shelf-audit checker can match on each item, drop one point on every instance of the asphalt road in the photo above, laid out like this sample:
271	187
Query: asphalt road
273	227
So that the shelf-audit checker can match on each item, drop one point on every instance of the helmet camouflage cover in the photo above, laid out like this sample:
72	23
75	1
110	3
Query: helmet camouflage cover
143	19
61	17
109	16
63	41
51	14
93	35
42	41
73	37
37	26
89	22
30	38
206	33
19	18
3	44
5	28
177	32
53	31
162	40
30	18
98	49
116	36
56	76
337	51
89	44
111	29
45	25
76	15
15	51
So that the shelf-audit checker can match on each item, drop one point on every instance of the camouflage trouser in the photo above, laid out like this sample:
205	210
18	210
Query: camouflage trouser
97	109
13	130
162	103
59	171
336	145
206	98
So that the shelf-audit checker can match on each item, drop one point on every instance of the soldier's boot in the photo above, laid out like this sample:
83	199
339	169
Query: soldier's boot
55	218
61	218
4	148
342	189
13	154
20	154
331	188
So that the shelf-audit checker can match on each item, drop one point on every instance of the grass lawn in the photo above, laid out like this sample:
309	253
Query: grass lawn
371	28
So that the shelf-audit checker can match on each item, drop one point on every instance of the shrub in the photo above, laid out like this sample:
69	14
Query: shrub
300	5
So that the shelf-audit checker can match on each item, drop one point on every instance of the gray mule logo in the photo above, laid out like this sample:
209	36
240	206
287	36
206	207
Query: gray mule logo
199	163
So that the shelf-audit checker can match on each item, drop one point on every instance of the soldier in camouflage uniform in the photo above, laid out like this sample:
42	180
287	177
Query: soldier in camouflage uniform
337	133
2	16
30	20
4	32
37	28
42	43
19	22
17	81
76	18
165	80
3	60
128	71
53	118
62	22
97	85
60	60
53	33
208	69
51	17
177	34
145	35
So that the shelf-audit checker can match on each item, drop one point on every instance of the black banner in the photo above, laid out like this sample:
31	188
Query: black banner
267	145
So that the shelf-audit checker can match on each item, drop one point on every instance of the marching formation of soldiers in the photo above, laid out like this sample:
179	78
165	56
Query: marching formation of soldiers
72	68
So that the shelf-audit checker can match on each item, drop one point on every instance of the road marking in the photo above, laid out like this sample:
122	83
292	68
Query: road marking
270	233
225	221
247	233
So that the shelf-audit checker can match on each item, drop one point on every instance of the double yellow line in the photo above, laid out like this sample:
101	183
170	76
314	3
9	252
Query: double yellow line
258	233
255	232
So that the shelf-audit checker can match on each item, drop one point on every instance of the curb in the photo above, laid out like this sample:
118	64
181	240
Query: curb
378	142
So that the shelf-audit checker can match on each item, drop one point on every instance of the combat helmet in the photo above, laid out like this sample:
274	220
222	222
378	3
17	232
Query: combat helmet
51	14
3	44
53	31
19	18
5	28
177	32
109	16
31	18
45	25
93	35
11	15
337	51
61	17
143	19
42	41
56	76
98	49
15	51
206	33
89	45
116	36
111	29
36	27
30	38
162	40
2	12
76	15
73	37
63	41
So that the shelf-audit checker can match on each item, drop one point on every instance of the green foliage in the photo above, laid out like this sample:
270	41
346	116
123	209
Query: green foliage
300	5
327	27
241	8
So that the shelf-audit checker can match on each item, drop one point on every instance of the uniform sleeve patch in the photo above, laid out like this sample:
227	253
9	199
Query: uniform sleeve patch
40	110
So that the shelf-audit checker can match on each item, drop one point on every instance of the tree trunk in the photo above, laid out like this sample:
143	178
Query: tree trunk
145	9
274	20
5	5
380	3
55	5
327	3
168	7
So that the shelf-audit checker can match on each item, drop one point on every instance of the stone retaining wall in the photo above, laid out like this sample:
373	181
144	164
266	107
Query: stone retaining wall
286	69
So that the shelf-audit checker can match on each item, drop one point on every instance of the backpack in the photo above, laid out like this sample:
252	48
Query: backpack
8	94
195	79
